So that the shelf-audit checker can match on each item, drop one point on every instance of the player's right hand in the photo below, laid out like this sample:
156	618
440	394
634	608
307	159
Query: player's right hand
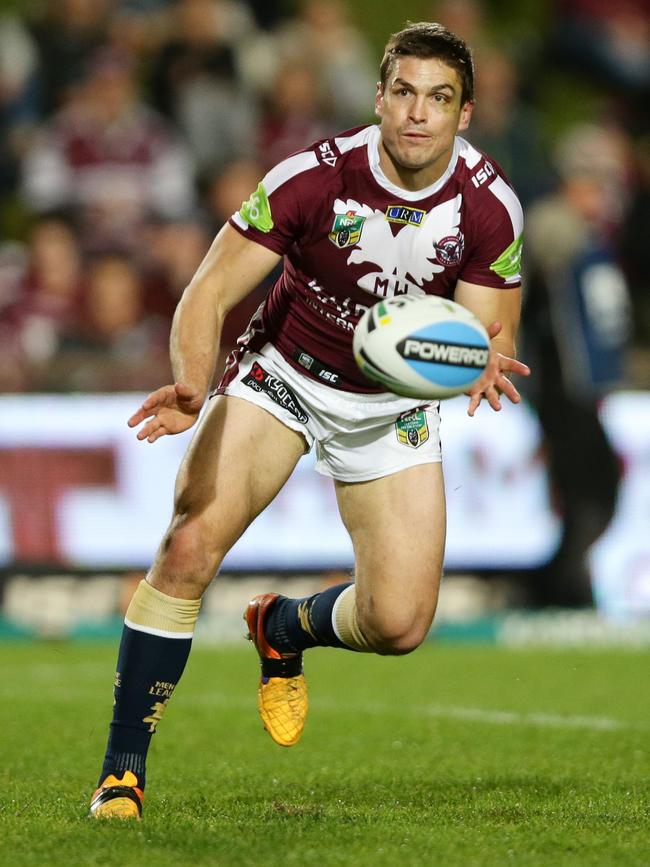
171	409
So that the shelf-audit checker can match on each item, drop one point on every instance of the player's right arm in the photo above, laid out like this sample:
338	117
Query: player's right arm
232	267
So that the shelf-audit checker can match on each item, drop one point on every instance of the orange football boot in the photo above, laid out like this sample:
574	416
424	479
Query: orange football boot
282	692
118	799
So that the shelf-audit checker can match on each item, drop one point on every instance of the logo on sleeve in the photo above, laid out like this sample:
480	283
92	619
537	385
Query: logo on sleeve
326	154
509	262
257	210
261	381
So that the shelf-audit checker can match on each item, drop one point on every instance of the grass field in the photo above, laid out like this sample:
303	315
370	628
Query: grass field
452	756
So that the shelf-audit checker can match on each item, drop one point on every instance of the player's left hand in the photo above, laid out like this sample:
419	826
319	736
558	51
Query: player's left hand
494	381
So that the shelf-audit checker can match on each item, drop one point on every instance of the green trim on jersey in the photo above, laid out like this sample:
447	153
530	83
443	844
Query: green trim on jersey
509	262
257	210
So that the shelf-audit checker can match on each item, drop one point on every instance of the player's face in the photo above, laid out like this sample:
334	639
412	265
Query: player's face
421	112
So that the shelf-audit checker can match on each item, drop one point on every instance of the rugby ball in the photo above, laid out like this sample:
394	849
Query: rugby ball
421	346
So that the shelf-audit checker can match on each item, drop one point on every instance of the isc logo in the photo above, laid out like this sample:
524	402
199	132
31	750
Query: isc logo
327	154
482	175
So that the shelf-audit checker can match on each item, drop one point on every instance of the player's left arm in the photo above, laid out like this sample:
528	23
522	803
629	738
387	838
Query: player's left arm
498	310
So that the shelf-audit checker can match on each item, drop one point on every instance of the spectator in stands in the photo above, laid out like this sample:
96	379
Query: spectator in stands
610	41
110	159
194	81
115	345
322	39
19	100
170	255
506	127
576	328
47	296
634	251
294	116
67	33
326	39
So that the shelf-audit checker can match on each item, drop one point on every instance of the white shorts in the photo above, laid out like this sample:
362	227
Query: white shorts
358	436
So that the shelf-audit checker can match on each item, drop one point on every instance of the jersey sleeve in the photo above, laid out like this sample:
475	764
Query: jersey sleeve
494	252
276	214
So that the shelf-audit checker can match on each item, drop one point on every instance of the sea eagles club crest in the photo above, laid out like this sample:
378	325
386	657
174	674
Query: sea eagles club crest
450	249
346	229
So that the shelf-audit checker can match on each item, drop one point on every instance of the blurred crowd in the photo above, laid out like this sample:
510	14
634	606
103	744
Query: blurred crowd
132	129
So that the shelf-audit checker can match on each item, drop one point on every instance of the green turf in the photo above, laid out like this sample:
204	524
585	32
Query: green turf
451	756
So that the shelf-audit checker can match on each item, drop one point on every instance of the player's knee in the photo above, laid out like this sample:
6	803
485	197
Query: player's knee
189	552
394	634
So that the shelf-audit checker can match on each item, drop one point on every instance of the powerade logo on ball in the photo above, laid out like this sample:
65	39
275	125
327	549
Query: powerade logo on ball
443	353
451	354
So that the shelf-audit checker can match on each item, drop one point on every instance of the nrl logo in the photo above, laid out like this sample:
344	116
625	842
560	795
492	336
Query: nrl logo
412	428
346	229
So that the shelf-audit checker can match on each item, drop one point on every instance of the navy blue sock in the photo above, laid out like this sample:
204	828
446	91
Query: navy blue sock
148	669
293	625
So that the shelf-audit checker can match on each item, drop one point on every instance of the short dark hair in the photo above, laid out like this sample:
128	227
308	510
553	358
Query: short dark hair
428	39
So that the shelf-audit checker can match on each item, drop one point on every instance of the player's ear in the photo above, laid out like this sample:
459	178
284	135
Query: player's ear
466	115
379	100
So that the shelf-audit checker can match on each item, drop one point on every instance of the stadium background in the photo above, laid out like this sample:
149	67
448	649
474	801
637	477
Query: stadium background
131	130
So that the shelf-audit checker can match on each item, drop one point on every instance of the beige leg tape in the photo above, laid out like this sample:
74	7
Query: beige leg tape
345	621
155	612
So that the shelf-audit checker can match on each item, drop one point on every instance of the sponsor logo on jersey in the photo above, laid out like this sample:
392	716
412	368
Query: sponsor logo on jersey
257	210
404	215
412	428
483	174
346	229
443	353
314	366
450	249
402	262
261	381
509	262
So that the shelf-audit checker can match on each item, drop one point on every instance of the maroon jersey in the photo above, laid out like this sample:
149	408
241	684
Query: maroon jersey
351	237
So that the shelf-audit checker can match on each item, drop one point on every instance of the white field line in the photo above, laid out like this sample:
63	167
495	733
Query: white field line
541	719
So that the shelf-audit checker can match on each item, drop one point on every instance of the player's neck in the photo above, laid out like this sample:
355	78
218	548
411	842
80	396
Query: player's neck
412	179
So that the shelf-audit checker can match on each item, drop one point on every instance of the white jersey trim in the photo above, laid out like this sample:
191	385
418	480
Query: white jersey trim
349	142
407	195
471	156
506	195
240	221
288	169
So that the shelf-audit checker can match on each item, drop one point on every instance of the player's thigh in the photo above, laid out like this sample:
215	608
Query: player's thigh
238	460
397	524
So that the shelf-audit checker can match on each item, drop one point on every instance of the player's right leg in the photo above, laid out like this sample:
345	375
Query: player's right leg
237	462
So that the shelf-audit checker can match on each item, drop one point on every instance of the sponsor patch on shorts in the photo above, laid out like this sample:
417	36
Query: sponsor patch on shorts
261	381
412	428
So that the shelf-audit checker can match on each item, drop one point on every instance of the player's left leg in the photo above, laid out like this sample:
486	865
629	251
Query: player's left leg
397	524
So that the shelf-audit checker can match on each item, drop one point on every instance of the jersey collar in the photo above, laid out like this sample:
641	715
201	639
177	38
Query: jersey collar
408	195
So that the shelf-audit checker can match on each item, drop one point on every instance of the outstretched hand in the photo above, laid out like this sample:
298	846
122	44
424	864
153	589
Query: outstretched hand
171	409
494	380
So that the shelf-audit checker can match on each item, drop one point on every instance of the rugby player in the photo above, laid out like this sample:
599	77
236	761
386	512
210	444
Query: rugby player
405	206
